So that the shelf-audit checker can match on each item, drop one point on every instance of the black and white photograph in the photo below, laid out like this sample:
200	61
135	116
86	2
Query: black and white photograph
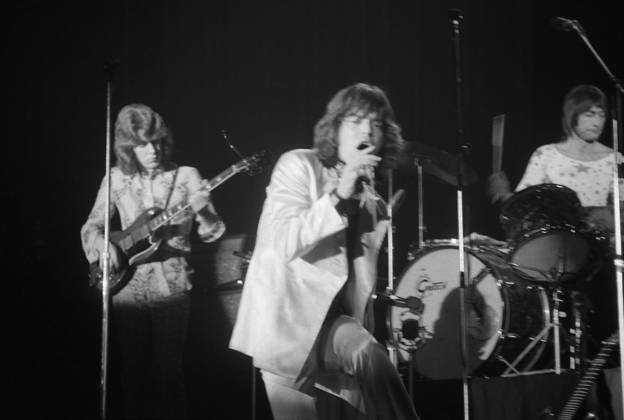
314	209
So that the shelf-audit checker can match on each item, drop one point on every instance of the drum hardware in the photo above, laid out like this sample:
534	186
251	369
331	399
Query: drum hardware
418	159
415	305
437	163
542	337
549	245
421	225
579	308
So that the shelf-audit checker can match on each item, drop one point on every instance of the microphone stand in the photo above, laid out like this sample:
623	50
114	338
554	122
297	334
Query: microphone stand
106	252
618	262
254	399
455	15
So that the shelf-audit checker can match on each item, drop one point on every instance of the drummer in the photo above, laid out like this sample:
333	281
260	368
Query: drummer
579	161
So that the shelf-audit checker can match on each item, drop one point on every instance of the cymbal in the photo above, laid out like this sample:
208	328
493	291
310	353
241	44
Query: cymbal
435	162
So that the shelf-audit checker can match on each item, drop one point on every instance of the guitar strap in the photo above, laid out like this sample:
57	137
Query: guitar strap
175	176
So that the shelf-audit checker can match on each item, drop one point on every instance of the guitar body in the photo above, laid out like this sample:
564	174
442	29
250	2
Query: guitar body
135	245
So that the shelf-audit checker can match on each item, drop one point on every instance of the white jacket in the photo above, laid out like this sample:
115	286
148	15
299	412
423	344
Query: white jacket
299	264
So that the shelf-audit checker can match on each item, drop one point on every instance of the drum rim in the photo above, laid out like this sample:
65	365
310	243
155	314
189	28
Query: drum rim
550	186
544	230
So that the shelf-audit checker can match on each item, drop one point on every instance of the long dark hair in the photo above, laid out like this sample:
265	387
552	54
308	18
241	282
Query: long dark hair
358	98
137	124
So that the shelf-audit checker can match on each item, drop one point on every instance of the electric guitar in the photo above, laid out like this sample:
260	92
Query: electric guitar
586	383
139	241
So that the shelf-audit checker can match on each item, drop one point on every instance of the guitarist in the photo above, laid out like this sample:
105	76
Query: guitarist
150	313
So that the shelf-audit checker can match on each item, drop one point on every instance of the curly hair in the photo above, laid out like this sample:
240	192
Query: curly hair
360	98
137	124
577	101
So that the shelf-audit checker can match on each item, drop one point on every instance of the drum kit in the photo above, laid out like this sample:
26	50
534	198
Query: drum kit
522	310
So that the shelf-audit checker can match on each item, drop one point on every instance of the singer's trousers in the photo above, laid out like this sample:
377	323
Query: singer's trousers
344	347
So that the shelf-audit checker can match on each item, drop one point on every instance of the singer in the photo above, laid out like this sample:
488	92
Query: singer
305	315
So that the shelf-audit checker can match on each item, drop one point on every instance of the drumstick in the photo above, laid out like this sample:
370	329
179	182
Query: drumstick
498	128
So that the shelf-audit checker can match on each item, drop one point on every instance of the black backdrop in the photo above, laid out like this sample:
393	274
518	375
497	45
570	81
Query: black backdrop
263	71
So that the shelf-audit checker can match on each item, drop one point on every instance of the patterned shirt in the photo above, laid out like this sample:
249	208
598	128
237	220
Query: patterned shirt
591	180
132	195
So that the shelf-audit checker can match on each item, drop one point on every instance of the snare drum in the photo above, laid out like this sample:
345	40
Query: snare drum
503	314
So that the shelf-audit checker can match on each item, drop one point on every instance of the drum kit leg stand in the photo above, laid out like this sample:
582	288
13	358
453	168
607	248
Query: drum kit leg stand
555	325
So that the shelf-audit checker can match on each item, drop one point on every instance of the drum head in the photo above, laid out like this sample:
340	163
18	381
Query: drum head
551	255
433	277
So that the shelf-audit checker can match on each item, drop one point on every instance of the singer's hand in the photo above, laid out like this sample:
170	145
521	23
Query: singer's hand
361	166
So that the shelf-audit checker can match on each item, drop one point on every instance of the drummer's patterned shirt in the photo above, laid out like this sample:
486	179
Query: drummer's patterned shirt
591	180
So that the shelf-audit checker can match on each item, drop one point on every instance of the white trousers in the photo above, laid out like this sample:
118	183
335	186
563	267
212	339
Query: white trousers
344	347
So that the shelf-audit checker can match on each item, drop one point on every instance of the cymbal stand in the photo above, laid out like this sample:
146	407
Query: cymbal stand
421	226
390	286
556	325
578	331
616	115
391	344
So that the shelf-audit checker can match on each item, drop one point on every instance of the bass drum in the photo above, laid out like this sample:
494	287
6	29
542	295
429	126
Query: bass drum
503	314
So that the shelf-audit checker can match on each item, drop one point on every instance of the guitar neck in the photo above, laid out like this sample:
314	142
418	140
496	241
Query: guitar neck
588	380
168	214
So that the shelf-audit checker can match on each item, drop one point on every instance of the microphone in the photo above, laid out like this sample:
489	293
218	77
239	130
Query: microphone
455	15
365	180
564	24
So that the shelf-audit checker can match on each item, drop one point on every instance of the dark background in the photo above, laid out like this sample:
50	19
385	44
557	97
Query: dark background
264	72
